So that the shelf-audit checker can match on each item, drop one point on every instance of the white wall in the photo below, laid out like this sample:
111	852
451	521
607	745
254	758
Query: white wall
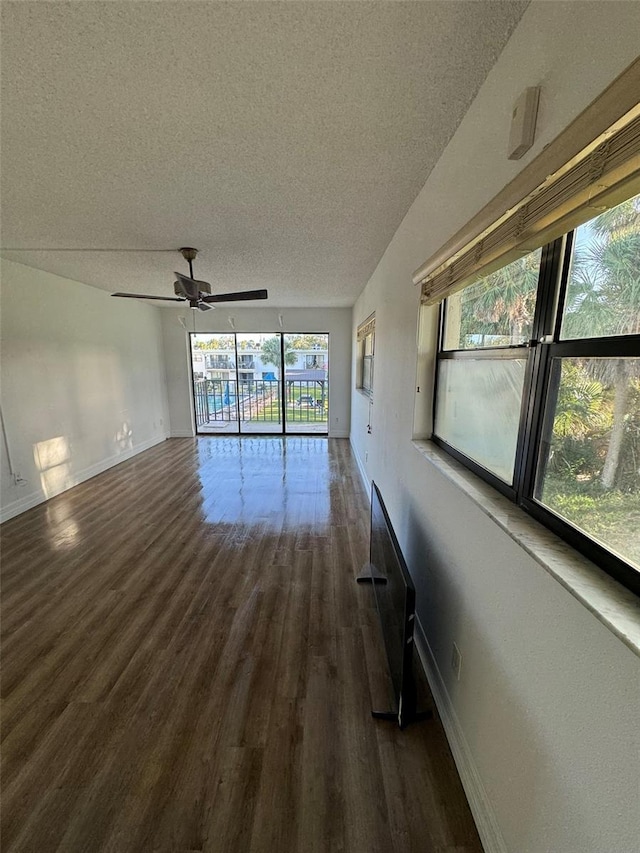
335	321
83	384
548	704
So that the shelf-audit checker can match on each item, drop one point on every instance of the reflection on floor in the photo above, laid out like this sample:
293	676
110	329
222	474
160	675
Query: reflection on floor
188	665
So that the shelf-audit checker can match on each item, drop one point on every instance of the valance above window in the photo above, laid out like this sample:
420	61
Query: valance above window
365	355
599	156
365	328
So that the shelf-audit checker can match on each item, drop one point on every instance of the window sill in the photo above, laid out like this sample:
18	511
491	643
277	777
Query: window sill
610	603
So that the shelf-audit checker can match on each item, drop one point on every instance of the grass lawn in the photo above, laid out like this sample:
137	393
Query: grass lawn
612	518
294	414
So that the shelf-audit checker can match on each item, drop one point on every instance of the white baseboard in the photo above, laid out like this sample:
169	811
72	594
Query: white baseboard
181	433
481	808
366	482
22	504
338	433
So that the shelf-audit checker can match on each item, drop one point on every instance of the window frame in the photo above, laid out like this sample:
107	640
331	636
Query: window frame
489	354
366	331
544	346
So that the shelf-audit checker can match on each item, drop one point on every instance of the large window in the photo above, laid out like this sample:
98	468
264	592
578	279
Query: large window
257	383
538	385
483	364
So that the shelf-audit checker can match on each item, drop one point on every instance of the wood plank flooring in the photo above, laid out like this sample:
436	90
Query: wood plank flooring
188	665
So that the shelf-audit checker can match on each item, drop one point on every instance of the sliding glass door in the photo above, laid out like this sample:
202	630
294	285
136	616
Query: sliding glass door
259	362
240	386
215	385
306	383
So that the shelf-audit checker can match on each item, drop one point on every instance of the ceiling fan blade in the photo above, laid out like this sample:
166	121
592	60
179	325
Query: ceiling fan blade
240	296
203	307
146	296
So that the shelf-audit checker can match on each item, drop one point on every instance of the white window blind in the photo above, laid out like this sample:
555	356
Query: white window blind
604	172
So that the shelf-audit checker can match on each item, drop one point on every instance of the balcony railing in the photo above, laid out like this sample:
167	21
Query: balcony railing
260	400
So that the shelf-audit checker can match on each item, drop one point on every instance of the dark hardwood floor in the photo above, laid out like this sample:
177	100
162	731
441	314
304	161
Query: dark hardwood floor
188	665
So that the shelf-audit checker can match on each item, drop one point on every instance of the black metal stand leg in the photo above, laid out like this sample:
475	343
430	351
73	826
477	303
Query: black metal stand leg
392	717
370	575
385	715
421	715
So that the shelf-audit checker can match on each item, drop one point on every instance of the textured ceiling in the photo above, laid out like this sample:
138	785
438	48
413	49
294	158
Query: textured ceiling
286	141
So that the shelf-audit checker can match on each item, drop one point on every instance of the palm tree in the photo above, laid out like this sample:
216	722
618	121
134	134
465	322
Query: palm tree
502	303
581	414
270	352
603	299
579	407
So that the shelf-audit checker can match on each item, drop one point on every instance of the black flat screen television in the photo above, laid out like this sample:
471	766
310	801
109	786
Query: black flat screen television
395	600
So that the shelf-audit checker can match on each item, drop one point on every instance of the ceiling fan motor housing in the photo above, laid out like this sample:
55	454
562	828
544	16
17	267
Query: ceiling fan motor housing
190	288
188	253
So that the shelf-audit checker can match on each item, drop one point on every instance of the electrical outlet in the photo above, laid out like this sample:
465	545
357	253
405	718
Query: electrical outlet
18	479
366	456
456	661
